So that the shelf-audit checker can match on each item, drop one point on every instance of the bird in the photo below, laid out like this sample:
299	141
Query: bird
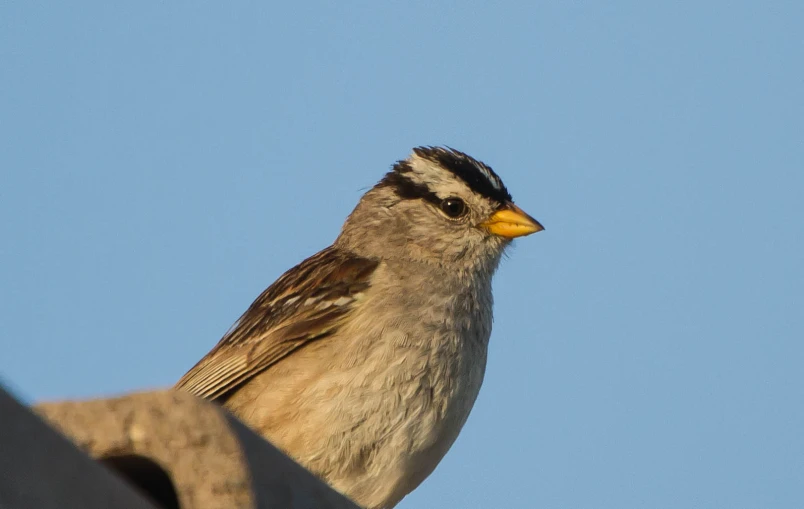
363	362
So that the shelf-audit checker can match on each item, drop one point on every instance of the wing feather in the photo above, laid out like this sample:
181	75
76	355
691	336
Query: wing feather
305	304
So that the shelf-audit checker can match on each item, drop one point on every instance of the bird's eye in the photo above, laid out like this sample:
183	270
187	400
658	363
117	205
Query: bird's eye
453	207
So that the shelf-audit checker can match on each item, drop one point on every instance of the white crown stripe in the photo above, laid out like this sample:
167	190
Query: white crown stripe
477	175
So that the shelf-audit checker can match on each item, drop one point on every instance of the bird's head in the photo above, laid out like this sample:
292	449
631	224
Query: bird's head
438	206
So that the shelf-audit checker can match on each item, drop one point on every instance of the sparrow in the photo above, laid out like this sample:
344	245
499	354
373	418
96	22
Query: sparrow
363	361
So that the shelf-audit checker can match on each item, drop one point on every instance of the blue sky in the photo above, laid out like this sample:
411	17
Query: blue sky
161	164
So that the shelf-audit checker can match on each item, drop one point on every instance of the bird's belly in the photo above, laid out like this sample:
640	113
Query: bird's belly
373	429
415	456
412	428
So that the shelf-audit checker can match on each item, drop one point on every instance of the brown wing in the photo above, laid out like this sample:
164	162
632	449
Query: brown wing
305	304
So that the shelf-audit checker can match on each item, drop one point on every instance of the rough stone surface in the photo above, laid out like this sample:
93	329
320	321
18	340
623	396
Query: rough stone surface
212	459
41	469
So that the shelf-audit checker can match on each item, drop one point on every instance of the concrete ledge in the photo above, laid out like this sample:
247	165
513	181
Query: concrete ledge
186	453
41	469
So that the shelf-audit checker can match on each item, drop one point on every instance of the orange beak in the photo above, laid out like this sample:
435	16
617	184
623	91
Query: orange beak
510	222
